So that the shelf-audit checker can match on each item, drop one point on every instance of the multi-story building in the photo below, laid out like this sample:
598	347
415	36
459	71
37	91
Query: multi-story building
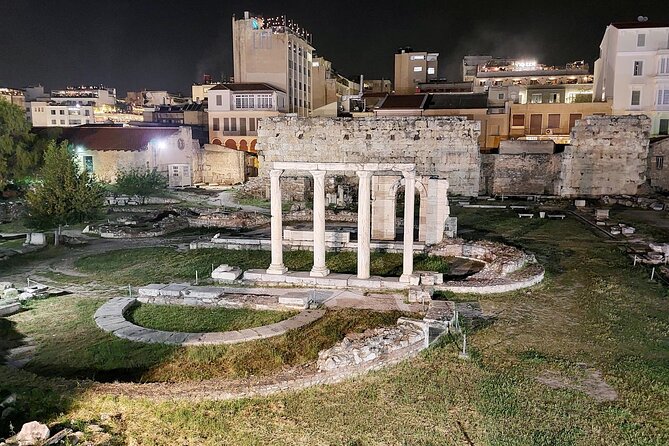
188	114
13	96
235	108
328	88
377	86
413	68
470	66
99	96
633	71
275	51
61	113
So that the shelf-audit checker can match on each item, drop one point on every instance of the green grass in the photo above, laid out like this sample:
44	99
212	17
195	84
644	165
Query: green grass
12	244
145	265
201	320
594	307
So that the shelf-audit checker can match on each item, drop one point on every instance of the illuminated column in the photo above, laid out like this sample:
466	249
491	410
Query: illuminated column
276	267
364	230
319	269
409	191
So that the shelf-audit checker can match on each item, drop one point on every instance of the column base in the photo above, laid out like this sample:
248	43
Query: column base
363	276
411	279
277	269
319	272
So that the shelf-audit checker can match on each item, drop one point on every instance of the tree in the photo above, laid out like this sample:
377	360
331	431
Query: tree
140	182
20	150
64	193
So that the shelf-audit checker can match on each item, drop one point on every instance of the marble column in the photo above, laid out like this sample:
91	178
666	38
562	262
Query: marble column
277	266
409	197
364	222
319	269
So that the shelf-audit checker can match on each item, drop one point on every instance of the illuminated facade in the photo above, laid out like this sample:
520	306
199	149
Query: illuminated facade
275	51
413	68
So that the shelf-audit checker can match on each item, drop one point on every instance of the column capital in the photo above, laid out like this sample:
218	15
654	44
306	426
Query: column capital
317	173
409	174
275	173
364	173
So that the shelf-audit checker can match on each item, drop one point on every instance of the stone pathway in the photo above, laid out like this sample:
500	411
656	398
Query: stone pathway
110	318
18	357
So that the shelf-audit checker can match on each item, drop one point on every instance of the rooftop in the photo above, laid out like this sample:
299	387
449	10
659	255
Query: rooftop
404	101
640	25
457	100
105	137
248	86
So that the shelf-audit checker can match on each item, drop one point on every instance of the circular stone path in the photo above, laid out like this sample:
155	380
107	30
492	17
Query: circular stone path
110	318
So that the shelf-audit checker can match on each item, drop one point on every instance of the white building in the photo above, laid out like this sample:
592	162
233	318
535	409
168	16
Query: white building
61	114
633	71
234	110
100	96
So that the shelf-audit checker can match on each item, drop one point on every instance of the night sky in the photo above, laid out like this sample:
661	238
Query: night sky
138	44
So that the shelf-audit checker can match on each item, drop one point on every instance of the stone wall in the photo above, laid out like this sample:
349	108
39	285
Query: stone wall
607	156
657	168
222	165
445	147
524	174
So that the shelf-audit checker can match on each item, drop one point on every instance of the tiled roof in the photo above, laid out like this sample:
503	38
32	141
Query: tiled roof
247	86
115	138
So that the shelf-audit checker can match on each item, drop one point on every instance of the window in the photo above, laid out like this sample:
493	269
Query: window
252	124
242	126
537	98
500	96
62	112
641	40
417	57
553	121
572	120
216	122
244	101
638	68
53	122
518	121
233	124
53	112
264	101
62	122
664	65
219	99
663	97
87	112
664	127
417	69
226	124
636	97
430	70
88	164
659	162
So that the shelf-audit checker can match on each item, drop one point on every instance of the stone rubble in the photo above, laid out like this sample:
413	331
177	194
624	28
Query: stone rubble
358	348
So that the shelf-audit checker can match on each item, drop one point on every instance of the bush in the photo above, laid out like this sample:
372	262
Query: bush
140	182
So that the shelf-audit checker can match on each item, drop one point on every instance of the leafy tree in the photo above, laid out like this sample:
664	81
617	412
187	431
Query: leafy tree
140	182
64	193
20	150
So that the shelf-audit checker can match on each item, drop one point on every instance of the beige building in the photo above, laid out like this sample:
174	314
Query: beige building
275	51
235	109
377	86
13	96
328	88
552	121
413	68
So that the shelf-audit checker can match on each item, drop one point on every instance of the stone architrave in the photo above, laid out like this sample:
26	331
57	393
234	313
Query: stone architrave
364	229
319	269
409	198
277	266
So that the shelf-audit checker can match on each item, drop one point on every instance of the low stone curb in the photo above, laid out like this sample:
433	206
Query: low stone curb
110	318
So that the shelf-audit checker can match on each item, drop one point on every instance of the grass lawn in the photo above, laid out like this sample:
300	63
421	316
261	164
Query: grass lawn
146	265
201	320
594	308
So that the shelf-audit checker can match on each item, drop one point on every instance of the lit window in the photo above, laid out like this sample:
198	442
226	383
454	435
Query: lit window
641	40
417	57
430	70
636	97
638	68
537	98
417	69
316	64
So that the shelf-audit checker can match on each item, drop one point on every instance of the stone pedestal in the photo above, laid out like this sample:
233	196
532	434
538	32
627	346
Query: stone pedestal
319	269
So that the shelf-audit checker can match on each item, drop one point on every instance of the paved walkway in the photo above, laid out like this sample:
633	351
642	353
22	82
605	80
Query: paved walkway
110	318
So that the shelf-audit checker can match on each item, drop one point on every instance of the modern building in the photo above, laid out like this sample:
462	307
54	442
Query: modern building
99	96
633	71
413	68
275	51
188	114
13	96
471	65
328	88
48	113
377	86
234	110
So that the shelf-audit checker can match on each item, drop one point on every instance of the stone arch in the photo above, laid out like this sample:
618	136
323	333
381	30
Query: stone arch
243	145
253	145
384	204
217	142
231	144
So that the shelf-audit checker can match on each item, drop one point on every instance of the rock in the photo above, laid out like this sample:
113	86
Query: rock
6	285
10	293
94	428
75	438
26	296
33	433
58	437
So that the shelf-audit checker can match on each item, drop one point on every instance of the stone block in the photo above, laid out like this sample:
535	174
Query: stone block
253	274
203	292
36	239
579	203
420	294
6	285
291	300
174	289
373	283
226	273
151	289
9	308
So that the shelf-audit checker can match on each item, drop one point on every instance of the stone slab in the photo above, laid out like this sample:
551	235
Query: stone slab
9	309
151	290
174	289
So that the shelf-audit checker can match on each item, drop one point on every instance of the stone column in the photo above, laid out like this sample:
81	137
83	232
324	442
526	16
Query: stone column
319	269
409	192
277	266
364	229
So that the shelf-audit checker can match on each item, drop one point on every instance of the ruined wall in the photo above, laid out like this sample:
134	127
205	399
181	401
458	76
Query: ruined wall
658	165
607	156
445	147
524	174
222	165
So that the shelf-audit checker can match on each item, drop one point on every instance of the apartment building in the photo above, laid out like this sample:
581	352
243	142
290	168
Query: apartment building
412	68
